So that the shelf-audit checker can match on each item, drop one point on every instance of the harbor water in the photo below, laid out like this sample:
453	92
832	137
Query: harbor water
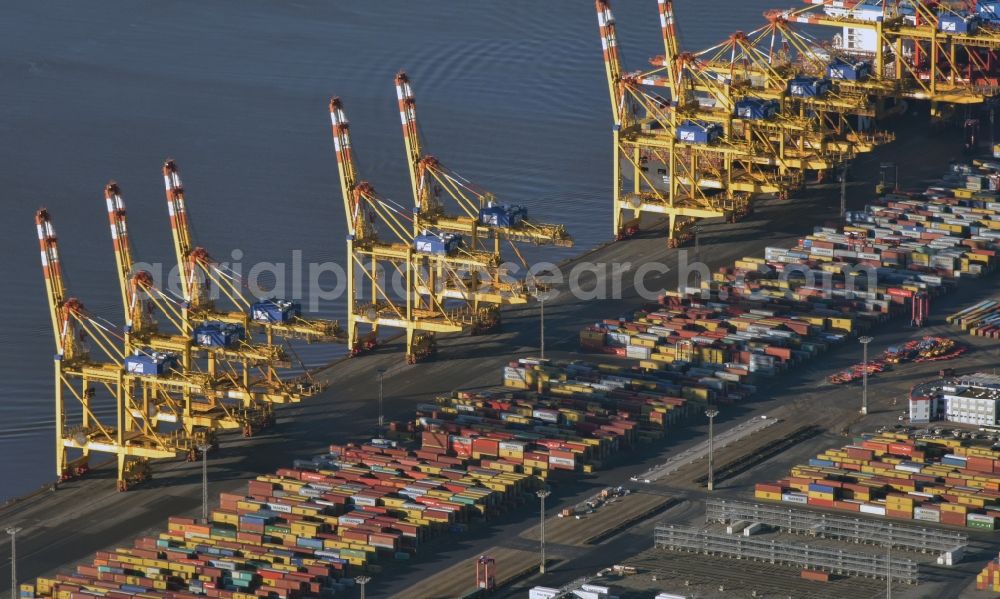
511	95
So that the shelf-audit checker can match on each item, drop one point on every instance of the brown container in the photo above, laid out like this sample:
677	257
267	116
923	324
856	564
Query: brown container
816	575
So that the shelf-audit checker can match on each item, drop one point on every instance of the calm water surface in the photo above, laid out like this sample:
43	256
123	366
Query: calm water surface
511	94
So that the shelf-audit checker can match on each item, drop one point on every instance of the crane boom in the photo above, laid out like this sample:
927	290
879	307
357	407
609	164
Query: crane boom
408	118
132	284
671	46
352	190
424	198
191	289
612	56
123	249
429	178
51	269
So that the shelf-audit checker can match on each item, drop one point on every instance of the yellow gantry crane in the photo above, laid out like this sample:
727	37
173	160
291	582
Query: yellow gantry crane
914	49
732	124
86	387
422	280
217	328
482	216
704	173
273	317
822	125
220	396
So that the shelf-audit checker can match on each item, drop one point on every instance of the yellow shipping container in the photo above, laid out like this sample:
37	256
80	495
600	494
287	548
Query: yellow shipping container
767	495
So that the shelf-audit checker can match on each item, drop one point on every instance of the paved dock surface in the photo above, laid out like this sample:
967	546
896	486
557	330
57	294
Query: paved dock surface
63	527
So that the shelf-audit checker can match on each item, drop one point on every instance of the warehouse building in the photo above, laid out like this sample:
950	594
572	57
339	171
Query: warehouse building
969	399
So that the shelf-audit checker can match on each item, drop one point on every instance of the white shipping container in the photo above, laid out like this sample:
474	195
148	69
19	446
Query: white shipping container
546	415
513	374
868	508
595	588
512	445
920	513
638	352
280	507
542	593
794	498
565	462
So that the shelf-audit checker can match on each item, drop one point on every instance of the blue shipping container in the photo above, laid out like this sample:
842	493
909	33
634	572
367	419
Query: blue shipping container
151	364
808	87
698	132
275	310
858	71
502	215
988	11
756	108
950	22
218	334
437	243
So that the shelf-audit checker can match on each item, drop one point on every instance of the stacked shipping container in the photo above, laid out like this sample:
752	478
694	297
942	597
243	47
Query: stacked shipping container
989	578
765	313
946	481
303	531
718	345
980	320
553	416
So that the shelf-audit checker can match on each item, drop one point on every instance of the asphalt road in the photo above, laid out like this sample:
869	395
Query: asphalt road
65	526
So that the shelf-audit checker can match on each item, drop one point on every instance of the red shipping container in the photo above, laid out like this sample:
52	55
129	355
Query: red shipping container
820	502
952	518
979	464
486	446
899	514
900	449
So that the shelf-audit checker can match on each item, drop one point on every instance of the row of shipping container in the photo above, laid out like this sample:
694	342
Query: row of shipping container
304	531
896	475
764	314
989	578
981	319
551	416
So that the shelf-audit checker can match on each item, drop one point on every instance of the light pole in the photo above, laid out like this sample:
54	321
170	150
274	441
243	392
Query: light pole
542	494
541	322
697	244
381	417
203	448
711	413
843	191
363	580
539	294
12	531
888	572
864	373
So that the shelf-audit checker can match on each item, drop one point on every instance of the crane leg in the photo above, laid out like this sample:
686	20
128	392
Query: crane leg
672	240
411	357
122	475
